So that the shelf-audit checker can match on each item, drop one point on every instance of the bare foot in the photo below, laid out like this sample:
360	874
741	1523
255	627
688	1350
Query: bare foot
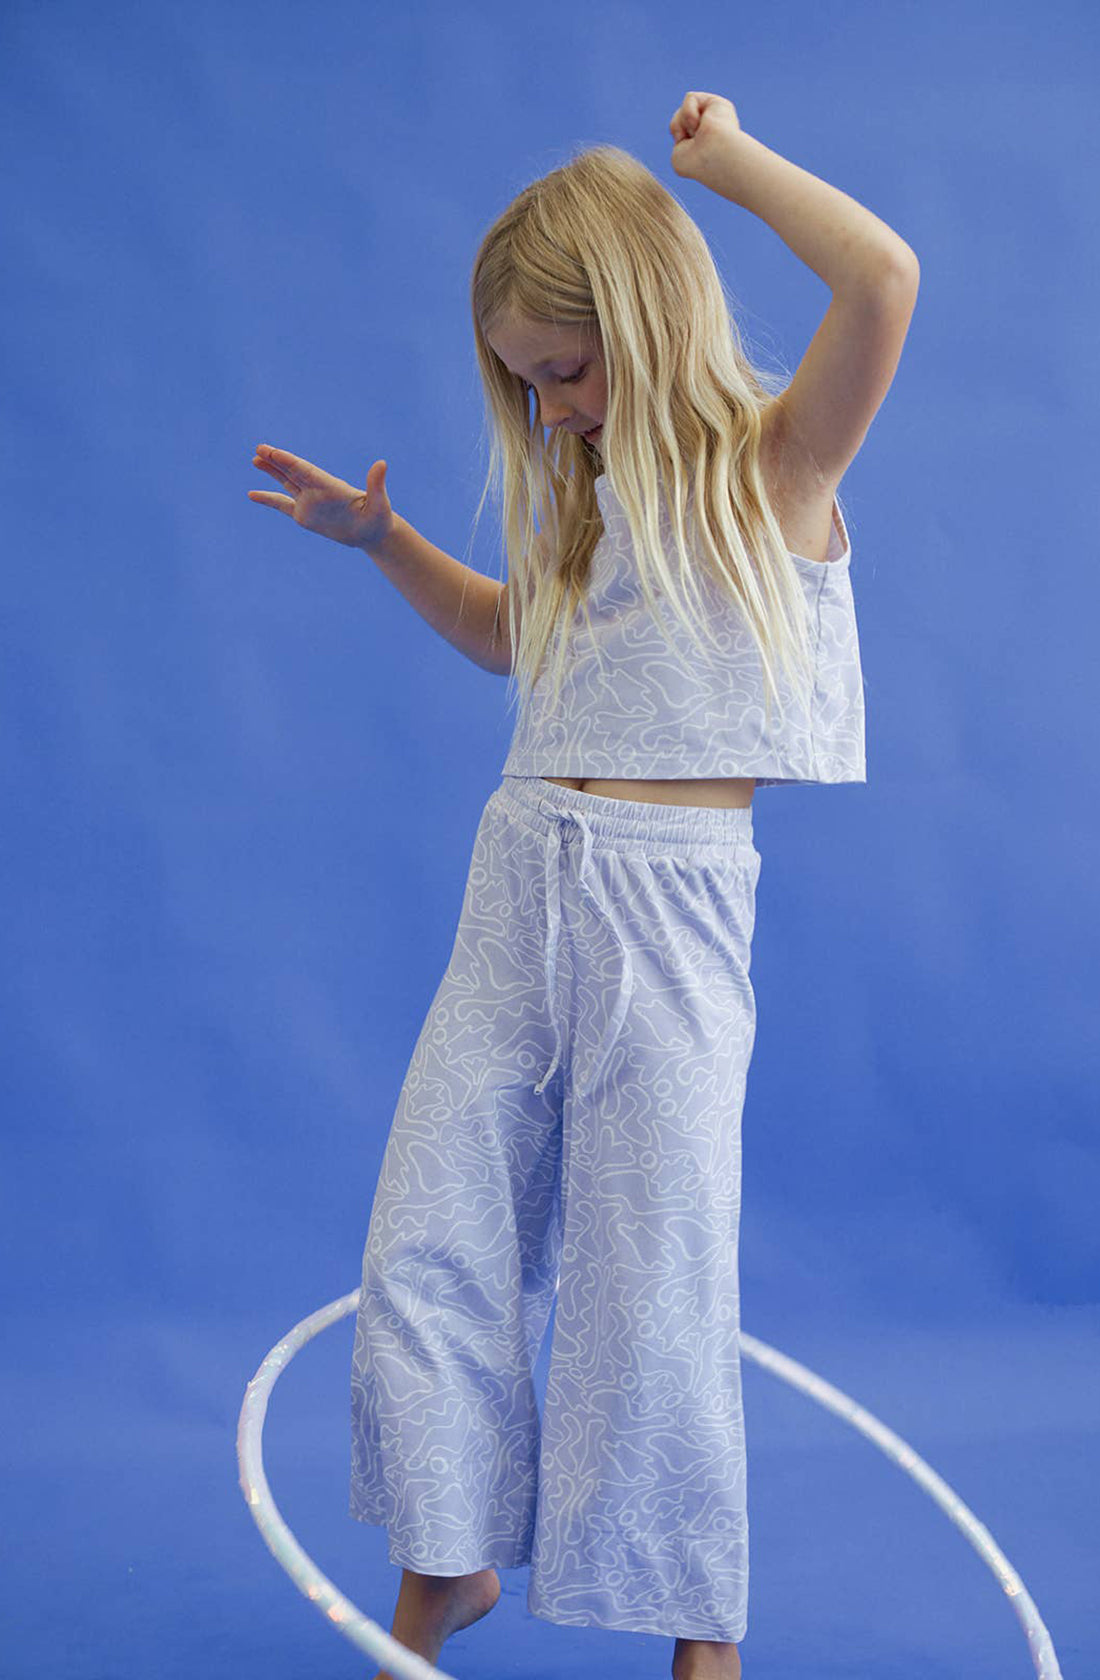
432	1607
705	1659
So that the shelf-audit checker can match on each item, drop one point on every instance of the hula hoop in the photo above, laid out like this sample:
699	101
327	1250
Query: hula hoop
369	1637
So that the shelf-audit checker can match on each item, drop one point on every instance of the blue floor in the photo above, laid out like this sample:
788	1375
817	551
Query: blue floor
130	1551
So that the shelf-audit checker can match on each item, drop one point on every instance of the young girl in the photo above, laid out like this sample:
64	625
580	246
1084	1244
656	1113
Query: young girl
570	1123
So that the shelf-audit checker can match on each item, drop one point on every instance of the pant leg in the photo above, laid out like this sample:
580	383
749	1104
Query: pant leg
462	1253
642	1519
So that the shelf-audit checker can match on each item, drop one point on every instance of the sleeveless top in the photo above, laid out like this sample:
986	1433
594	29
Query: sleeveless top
643	715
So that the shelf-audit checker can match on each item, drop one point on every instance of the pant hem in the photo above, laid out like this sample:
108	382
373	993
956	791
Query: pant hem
676	1630
494	1557
449	1566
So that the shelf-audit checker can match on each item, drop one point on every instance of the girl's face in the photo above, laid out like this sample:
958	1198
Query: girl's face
563	366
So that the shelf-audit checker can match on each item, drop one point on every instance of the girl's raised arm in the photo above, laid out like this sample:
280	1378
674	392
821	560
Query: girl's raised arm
874	276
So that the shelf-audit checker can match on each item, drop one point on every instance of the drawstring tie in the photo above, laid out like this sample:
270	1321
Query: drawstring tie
553	914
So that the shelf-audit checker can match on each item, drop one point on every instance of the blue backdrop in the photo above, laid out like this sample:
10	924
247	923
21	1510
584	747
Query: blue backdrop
242	780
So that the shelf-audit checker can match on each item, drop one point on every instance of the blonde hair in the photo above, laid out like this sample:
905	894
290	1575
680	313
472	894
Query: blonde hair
599	244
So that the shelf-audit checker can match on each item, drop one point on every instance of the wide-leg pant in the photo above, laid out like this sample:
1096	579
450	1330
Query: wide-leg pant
570	1123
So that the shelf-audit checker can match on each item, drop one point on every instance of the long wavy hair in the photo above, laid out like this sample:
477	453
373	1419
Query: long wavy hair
601	244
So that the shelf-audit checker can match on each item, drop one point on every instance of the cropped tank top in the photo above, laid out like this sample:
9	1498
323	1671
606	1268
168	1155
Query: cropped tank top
644	715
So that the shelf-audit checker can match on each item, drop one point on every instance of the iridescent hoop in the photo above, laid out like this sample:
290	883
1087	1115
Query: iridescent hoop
372	1639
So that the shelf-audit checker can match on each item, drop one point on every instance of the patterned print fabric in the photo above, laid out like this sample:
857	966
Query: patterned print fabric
639	713
570	1125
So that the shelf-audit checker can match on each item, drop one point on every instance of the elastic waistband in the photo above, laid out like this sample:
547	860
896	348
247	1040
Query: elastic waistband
544	803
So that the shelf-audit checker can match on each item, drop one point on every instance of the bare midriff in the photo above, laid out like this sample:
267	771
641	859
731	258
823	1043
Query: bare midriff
722	791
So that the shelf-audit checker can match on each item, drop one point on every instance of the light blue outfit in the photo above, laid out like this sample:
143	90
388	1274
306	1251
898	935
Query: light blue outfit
628	707
570	1125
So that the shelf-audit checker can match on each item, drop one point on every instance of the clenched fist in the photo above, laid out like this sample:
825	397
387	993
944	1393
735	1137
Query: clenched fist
701	126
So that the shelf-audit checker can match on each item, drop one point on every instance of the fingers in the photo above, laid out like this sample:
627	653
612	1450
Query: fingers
294	471
689	115
685	119
281	464
268	498
283	459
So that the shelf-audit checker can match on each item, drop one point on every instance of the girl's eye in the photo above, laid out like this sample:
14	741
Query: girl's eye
572	379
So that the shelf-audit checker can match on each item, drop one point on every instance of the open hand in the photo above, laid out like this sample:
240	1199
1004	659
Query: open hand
702	119
319	502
